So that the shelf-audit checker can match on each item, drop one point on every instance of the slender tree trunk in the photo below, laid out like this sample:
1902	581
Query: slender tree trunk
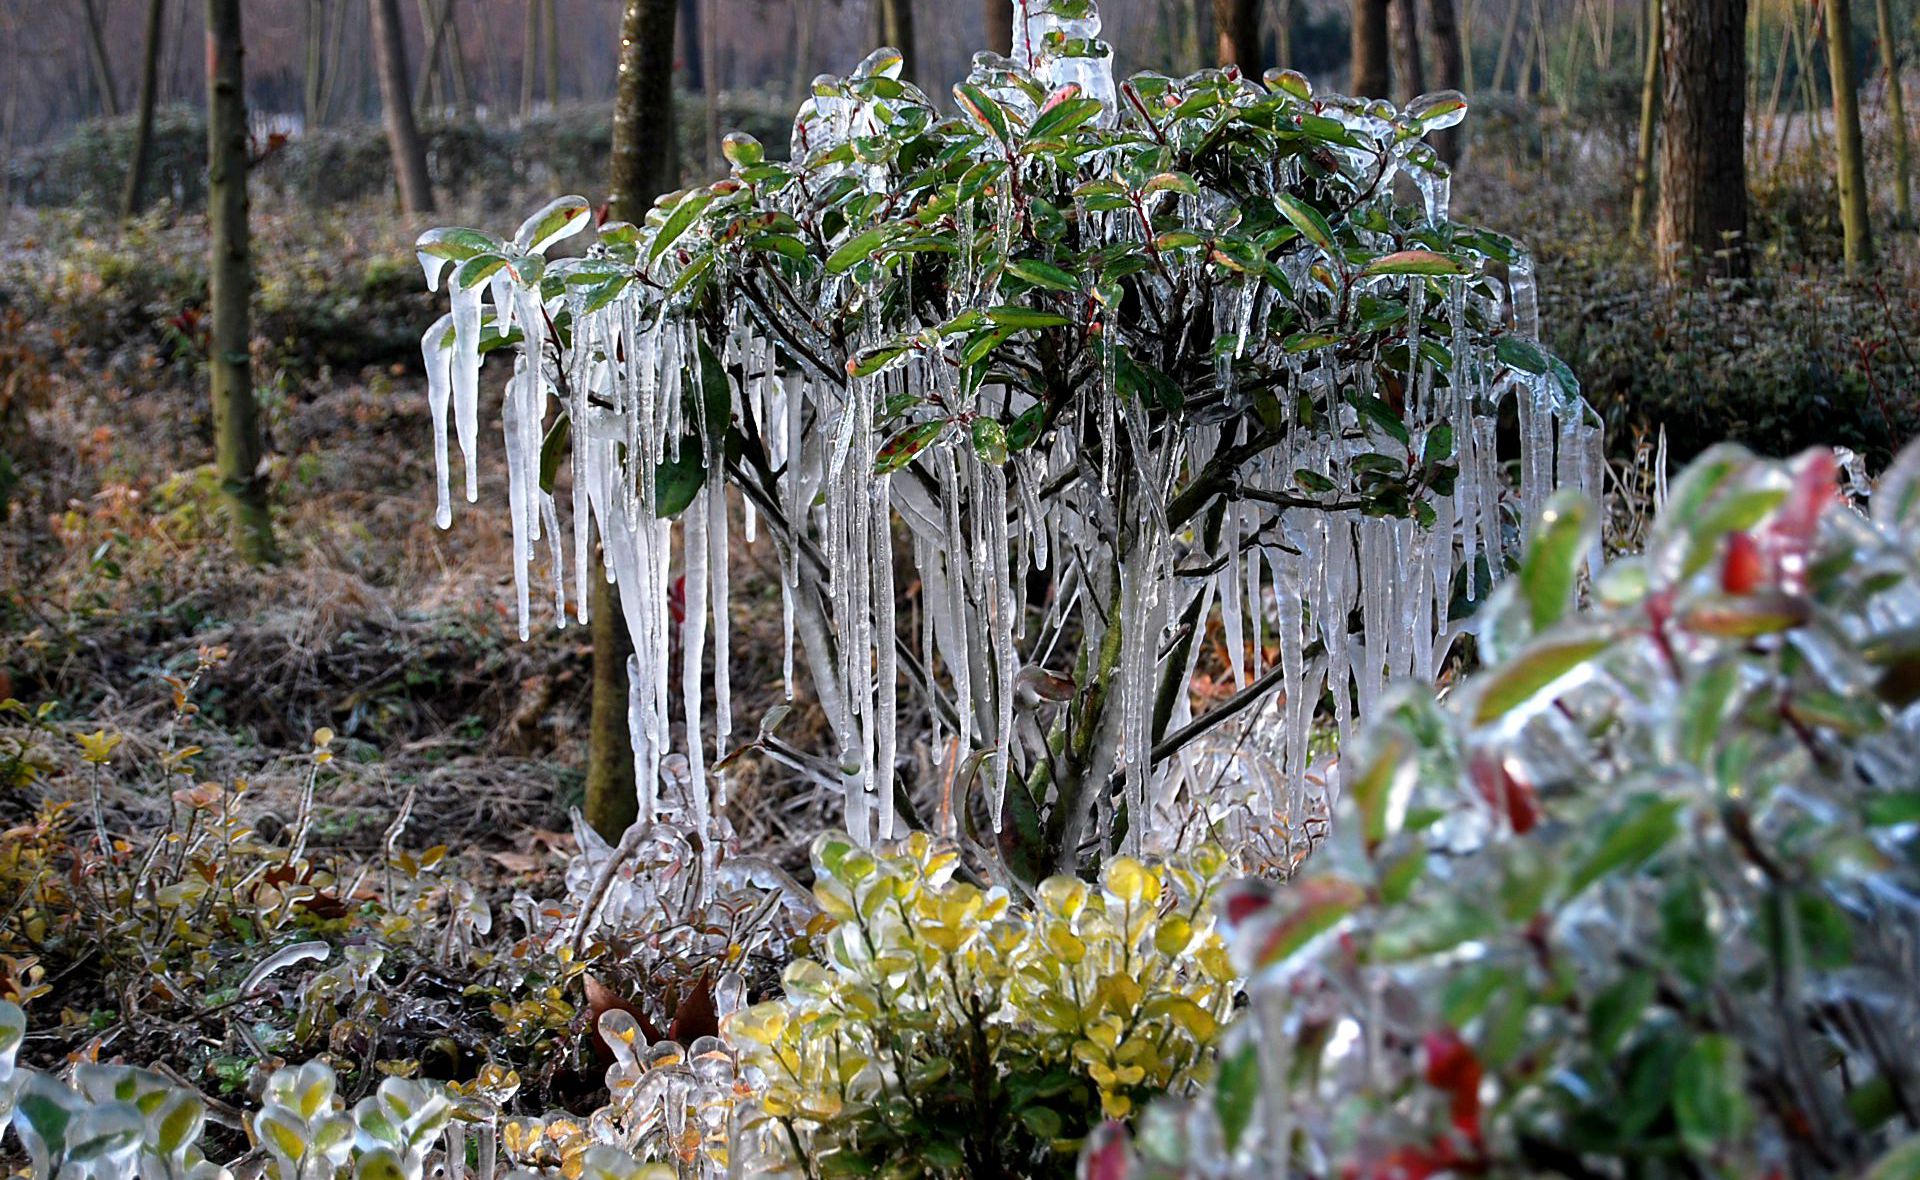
1469	81
149	95
691	51
236	416
102	63
804	21
1283	33
896	29
431	84
1897	115
999	25
550	41
1236	23
1703	190
1403	30
1508	34
1449	70
529	57
1649	124
643	165
1849	156
1370	69
312	83
462	75
710	69
396	105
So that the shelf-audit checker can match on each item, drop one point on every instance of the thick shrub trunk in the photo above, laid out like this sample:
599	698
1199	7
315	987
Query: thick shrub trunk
642	166
1703	191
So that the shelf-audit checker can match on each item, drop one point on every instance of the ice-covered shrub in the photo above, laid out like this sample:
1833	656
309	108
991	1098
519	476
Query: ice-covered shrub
940	1028
1637	899
1115	357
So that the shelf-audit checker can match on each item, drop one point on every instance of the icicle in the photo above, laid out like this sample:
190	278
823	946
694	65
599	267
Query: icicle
718	549
466	380
438	357
884	657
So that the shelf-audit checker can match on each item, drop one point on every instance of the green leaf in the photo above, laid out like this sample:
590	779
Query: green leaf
984	110
1630	838
1710	1095
1885	811
1552	563
1313	481
1025	430
1043	274
675	226
551	449
990	441
1413	262
1067	115
1439	446
1020	318
1236	1093
1171	182
858	249
477	270
905	444
1306	219
1531	675
562	218
1306	909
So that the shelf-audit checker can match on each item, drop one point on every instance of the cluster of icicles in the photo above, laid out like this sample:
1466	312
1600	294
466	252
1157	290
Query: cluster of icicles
976	529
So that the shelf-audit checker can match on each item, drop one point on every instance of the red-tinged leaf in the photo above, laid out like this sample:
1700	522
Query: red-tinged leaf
1744	570
1413	262
903	446
1746	617
695	1015
1307	909
1109	1153
1504	784
1453	1068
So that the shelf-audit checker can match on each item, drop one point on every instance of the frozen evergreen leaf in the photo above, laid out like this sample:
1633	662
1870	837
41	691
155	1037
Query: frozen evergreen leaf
552	450
1413	262
1043	274
1709	1095
904	445
561	218
1551	567
1532	675
984	110
857	249
1306	219
1639	831
678	221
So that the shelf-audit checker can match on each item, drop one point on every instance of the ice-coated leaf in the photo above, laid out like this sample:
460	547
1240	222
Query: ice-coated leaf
1532	675
561	218
1551	567
1306	219
683	214
905	444
1414	262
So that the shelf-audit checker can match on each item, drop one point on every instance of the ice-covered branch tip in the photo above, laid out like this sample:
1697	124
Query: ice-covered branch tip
1135	380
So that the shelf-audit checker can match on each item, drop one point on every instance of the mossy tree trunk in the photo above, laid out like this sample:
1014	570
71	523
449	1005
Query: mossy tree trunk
396	107
1703	164
1236	24
1897	115
1849	157
1649	122
130	196
1370	62
236	416
642	167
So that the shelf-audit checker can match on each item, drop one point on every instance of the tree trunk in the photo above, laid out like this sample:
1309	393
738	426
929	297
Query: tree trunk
236	416
102	63
1448	68
1237	25
1403	31
550	41
1000	26
313	83
896	29
1897	115
1370	69
149	95
396	105
690	55
529	57
1703	190
643	165
1849	157
433	70
1649	124
1508	36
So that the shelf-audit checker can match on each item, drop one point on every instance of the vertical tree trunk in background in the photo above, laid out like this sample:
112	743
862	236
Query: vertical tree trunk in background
1508	34
236	416
431	87
1848	155
804	22
896	29
1236	24
691	53
643	165
1449	71
149	95
102	64
1703	190
1403	32
1649	124
999	25
1897	115
550	41
710	70
1283	33
1370	71
312	83
529	56
396	106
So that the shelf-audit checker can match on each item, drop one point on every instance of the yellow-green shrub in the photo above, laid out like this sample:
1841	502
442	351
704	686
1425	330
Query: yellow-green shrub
948	1029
